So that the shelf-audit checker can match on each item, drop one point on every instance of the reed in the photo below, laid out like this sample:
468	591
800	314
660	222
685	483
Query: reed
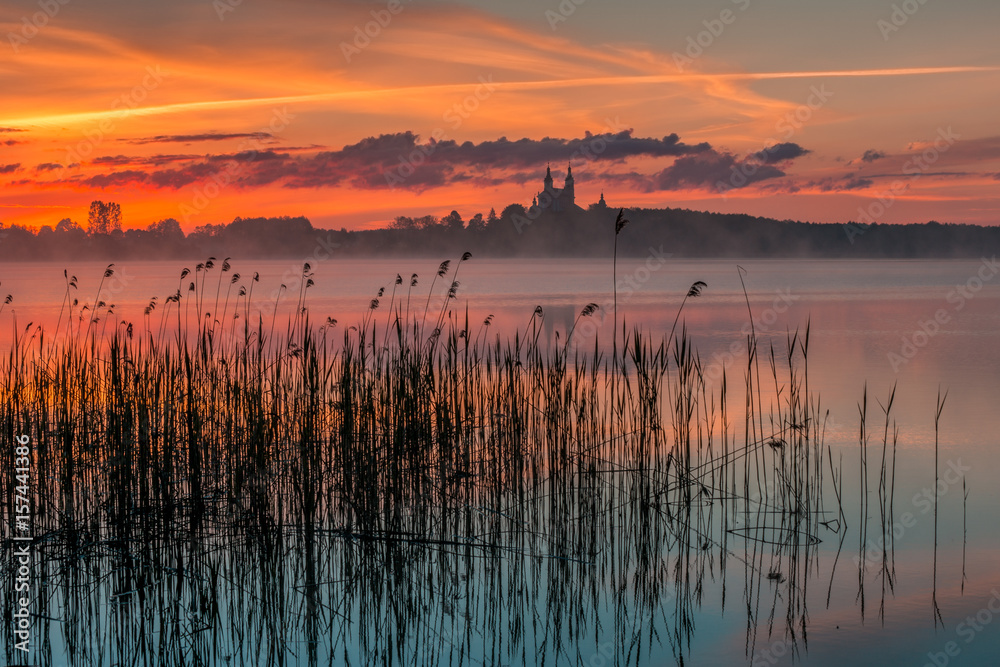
275	493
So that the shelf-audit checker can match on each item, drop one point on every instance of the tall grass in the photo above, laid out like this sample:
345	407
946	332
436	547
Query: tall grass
409	490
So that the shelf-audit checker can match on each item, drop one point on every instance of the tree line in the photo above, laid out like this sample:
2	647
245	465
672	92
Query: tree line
516	231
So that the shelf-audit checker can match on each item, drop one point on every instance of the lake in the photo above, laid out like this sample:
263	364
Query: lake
923	327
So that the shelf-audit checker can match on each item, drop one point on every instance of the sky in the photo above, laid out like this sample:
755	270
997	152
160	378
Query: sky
352	113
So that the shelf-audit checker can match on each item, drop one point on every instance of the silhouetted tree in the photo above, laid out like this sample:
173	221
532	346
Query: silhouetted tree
402	222
167	229
212	230
687	233
476	223
453	222
426	222
104	217
511	211
66	225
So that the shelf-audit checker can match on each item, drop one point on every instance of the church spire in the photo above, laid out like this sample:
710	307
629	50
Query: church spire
569	190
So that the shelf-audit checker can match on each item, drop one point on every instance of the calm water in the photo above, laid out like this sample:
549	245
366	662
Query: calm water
924	326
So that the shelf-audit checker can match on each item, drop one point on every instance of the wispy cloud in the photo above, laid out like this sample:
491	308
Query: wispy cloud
407	93
194	138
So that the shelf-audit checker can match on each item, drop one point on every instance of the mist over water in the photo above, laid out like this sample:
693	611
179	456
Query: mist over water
872	321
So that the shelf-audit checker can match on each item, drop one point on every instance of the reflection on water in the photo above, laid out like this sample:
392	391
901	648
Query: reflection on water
550	526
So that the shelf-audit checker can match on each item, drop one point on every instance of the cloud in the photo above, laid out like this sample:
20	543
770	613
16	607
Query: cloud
11	142
857	184
946	157
192	138
176	179
872	155
402	160
780	153
724	171
844	183
711	170
9	168
117	178
48	166
11	129
131	160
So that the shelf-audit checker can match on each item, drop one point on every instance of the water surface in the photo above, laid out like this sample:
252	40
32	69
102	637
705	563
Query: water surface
922	326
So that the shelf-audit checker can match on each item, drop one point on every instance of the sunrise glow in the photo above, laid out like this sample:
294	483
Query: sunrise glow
353	113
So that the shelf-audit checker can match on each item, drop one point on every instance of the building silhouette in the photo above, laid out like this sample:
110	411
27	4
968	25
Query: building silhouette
558	200
600	205
562	200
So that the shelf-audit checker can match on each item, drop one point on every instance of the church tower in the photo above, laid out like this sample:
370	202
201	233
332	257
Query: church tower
569	190
557	200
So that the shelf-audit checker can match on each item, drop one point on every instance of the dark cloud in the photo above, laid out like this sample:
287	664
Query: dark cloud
48	166
117	178
711	170
9	168
857	184
872	155
179	178
907	176
720	171
153	160
836	184
724	171
402	160
11	129
192	138
11	142
780	153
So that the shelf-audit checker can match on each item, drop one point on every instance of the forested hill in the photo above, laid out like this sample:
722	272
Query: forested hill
682	233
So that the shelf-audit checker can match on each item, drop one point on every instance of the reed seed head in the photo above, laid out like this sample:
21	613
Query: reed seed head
620	222
696	289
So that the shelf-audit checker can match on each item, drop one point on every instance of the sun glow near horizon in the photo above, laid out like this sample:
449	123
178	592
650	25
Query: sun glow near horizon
269	112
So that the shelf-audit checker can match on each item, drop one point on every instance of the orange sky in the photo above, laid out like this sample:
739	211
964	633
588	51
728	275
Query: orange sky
204	112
